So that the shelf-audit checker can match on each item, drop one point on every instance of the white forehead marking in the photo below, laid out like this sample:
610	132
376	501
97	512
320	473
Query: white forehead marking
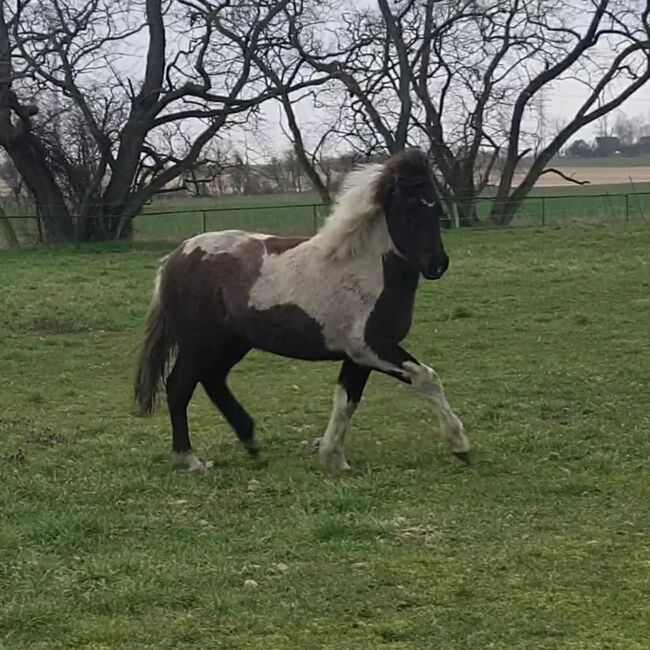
429	204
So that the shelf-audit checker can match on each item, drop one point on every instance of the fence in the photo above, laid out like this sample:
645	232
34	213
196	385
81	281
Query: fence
305	218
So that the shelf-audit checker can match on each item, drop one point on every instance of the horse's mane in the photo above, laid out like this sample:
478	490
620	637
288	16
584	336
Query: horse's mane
354	214
359	206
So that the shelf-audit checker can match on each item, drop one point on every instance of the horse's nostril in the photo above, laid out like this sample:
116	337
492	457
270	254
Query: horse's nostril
441	267
437	267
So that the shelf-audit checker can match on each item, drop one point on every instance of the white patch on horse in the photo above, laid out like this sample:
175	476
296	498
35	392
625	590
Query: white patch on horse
337	276
340	296
155	298
332	450
213	243
429	204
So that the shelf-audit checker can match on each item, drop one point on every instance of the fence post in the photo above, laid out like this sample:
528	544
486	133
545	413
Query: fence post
627	208
39	227
543	211
314	224
203	221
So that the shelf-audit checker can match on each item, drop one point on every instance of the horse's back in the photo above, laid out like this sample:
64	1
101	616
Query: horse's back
206	282
214	243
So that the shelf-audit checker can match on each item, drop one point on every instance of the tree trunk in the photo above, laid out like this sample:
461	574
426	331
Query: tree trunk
29	158
465	199
507	204
503	211
104	225
466	210
7	231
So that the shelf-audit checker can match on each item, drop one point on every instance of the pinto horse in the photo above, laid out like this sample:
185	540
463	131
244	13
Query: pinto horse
346	294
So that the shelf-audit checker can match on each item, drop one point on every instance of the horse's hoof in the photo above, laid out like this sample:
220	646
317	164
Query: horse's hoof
336	471
334	465
253	447
202	466
463	456
190	462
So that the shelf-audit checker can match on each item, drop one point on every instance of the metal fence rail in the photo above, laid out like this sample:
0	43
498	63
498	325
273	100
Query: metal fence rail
305	218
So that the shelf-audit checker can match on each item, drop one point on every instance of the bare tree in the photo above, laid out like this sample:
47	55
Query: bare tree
283	68
14	202
91	165
626	129
465	79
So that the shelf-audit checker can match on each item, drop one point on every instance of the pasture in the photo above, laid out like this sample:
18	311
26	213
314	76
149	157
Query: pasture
541	339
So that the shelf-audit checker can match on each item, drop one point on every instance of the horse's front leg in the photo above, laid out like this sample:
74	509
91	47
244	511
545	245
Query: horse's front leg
347	395
426	381
393	360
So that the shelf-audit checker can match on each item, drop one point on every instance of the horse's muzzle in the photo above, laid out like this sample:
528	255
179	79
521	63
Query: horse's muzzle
436	268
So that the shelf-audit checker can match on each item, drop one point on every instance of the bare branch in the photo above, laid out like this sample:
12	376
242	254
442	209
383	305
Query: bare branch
570	179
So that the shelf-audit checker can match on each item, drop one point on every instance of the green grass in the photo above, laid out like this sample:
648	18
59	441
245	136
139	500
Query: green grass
541	338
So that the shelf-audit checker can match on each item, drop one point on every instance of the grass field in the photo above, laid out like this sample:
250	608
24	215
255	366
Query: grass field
541	338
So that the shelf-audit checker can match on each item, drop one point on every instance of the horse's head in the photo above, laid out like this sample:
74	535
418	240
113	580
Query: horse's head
413	212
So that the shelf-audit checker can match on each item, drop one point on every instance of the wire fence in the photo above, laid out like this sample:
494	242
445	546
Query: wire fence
192	217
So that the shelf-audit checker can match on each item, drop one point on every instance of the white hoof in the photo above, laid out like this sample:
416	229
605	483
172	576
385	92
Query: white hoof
334	461
191	462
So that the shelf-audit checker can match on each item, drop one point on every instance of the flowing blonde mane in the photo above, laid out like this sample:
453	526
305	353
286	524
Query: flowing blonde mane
357	223
355	215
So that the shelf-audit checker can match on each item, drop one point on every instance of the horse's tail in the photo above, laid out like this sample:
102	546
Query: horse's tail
156	349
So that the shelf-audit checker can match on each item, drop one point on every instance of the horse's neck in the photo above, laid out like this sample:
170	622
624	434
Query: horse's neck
374	258
380	252
400	276
345	244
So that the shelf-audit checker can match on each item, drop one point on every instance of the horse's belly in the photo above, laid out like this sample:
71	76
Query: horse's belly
289	331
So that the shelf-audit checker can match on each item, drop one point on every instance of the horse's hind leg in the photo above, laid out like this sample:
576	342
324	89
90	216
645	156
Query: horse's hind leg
347	395
180	385
236	416
217	389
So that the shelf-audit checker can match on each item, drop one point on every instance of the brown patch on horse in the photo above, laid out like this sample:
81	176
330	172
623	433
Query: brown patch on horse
206	298
279	245
288	330
202	293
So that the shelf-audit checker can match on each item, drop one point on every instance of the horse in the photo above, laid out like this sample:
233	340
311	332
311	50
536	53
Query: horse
346	294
